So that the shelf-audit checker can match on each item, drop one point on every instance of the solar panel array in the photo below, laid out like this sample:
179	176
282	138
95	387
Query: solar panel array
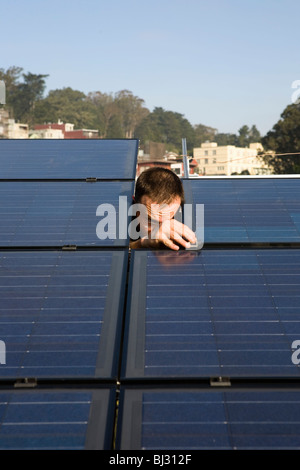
153	349
62	289
210	358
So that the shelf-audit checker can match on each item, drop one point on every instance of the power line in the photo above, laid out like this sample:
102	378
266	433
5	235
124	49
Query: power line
262	155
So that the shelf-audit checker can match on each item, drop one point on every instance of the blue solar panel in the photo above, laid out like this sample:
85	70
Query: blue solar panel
61	213
213	313
56	419
248	210
202	419
68	159
61	313
190	315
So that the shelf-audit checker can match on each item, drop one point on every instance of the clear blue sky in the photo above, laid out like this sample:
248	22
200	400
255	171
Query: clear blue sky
222	63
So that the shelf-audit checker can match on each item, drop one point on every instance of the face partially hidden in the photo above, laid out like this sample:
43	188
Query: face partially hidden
157	225
161	212
155	214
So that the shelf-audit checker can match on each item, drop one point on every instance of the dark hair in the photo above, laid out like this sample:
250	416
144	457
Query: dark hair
160	184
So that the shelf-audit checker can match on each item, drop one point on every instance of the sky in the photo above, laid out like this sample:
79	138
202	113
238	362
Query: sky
221	63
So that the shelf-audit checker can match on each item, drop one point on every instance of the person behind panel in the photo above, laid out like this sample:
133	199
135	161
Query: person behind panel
160	193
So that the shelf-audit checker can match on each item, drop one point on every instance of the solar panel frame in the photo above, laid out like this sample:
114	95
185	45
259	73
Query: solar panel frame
218	327
68	159
57	419
193	417
43	341
48	214
247	209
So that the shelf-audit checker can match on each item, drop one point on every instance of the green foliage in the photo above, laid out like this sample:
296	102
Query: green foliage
285	138
167	127
124	115
68	105
245	137
226	139
119	114
21	97
204	134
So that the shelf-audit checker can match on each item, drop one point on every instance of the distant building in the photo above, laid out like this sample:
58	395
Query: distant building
16	130
142	166
10	129
4	116
61	130
228	159
46	134
170	160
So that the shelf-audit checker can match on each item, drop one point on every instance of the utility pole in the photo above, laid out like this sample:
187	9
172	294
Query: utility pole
2	92
186	165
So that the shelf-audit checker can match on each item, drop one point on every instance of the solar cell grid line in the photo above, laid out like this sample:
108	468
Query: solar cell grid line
42	214
218	312
61	313
57	419
249	209
68	158
191	418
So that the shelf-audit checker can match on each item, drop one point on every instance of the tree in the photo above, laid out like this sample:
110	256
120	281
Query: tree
26	95
105	109
226	139
204	134
242	139
22	96
284	138
118	115
254	135
132	111
167	127
68	105
245	137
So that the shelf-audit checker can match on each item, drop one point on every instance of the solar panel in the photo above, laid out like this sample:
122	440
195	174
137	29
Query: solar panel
68	159
203	419
56	419
248	210
45	214
212	313
61	313
190	316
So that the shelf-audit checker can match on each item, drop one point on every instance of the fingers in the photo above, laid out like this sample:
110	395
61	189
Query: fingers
169	244
183	231
174	231
181	241
171	233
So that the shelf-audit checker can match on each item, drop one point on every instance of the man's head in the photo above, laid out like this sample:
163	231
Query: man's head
161	192
160	185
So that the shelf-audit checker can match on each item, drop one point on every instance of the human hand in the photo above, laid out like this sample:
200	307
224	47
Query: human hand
170	233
